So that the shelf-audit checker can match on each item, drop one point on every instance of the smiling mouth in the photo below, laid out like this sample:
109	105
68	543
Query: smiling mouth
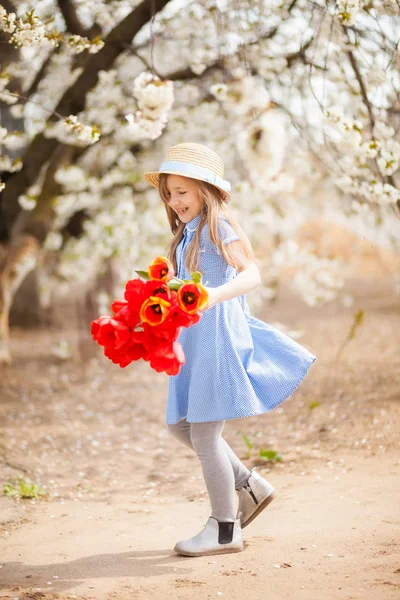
182	211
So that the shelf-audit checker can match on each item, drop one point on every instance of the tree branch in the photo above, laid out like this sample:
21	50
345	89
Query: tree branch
363	89
73	102
389	178
72	22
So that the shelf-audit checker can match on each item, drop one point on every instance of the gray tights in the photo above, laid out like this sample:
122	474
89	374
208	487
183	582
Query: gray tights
222	469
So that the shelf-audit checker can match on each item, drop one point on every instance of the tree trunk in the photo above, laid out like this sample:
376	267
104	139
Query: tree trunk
18	260
26	310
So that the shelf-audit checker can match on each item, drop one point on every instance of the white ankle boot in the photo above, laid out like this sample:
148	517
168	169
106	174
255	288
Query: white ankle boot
215	538
254	496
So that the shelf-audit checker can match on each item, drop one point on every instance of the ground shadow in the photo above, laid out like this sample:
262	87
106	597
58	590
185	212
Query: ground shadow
146	563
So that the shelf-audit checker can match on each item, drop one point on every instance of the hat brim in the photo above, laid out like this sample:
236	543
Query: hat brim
153	178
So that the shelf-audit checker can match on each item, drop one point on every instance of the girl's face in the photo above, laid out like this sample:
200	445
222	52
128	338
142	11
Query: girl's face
183	197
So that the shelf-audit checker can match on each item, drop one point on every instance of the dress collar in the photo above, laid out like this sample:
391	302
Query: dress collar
192	225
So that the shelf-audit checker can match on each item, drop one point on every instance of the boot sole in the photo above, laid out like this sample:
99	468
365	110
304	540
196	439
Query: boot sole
210	552
260	508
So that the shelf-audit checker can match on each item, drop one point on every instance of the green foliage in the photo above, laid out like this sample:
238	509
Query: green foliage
357	323
247	441
196	276
270	455
174	283
264	454
23	489
142	274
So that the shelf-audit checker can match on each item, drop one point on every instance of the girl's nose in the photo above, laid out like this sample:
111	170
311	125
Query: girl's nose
174	202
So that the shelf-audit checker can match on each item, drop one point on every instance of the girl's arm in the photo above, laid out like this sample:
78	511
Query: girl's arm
248	278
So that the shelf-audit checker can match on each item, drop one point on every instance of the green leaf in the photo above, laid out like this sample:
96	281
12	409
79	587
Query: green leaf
247	441
31	490
197	276
175	283
23	490
10	490
269	455
142	274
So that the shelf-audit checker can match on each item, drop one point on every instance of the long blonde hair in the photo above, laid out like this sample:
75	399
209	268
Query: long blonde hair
213	207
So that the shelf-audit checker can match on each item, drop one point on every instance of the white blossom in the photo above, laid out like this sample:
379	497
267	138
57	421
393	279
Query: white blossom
72	178
155	97
17	110
15	140
387	163
369	149
71	131
7	20
219	91
12	166
347	11
383	130
257	144
3	134
246	94
127	161
5	95
140	128
30	31
29	34
27	202
53	241
78	44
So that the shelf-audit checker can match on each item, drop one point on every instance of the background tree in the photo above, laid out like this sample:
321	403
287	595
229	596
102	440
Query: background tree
300	98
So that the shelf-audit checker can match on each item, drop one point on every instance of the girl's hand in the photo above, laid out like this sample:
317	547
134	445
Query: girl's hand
213	297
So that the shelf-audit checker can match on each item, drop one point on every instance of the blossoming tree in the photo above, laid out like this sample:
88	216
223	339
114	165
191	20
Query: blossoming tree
300	98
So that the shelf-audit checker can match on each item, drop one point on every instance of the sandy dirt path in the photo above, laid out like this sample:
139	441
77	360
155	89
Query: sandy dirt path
122	491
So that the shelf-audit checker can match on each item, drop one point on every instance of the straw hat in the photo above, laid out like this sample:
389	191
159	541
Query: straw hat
195	161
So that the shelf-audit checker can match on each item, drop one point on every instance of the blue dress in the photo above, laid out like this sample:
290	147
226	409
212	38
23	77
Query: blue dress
236	365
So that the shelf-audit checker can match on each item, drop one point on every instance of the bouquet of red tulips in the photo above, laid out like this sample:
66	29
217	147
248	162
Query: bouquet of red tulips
147	322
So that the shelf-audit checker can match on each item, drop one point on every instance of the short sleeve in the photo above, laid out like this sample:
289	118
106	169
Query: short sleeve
226	232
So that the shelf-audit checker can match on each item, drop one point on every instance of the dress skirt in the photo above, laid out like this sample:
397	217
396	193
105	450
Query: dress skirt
236	365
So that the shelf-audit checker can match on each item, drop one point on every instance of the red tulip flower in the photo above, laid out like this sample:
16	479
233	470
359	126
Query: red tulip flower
156	287
161	268
154	310
110	332
122	312
134	293
147	322
133	350
192	297
169	360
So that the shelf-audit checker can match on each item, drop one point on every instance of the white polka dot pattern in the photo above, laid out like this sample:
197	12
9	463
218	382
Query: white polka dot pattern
236	365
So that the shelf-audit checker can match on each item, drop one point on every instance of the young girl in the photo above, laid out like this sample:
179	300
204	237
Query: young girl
236	366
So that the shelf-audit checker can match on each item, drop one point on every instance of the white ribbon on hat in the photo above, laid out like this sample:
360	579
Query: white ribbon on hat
190	169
